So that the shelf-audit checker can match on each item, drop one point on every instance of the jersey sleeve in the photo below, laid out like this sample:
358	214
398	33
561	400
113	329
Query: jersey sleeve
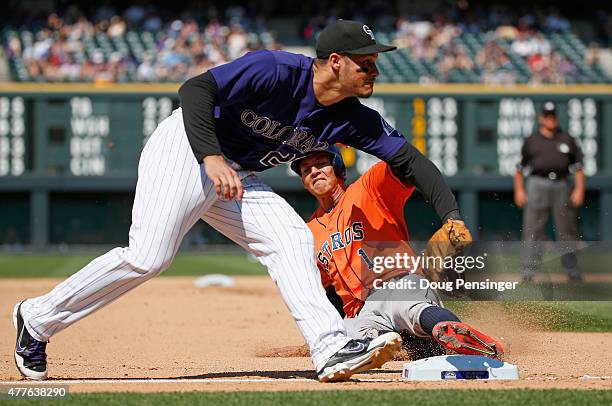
576	162
525	158
253	75
372	134
380	182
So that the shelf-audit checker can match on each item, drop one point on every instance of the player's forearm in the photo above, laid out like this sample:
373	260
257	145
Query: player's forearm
198	99
409	164
519	184
579	180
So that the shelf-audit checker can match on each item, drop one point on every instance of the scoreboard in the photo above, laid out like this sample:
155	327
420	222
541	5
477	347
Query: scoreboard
86	139
101	133
12	136
80	135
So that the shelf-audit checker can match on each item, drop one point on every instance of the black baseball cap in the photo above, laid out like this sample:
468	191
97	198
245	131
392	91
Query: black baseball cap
346	36
549	109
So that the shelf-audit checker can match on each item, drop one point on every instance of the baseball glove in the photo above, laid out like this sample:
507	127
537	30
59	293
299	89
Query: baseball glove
450	240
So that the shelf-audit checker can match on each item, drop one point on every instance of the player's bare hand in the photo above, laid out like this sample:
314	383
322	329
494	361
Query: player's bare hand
226	180
577	197
520	198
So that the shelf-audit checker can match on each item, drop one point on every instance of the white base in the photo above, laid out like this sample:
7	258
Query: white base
453	367
215	280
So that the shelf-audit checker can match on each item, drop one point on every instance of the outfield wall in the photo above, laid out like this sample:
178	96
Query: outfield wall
69	153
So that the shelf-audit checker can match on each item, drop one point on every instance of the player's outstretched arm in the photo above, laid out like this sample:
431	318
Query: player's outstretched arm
409	164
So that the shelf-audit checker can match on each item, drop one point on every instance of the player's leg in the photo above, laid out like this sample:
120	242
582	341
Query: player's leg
420	312
564	216
367	324
171	194
535	217
402	308
264	224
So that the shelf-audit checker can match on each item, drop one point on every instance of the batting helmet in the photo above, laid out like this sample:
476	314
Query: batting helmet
336	161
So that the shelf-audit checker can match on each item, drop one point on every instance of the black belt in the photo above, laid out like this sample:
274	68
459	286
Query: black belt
551	176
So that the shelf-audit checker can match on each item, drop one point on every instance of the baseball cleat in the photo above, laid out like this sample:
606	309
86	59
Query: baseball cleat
360	355
30	355
465	339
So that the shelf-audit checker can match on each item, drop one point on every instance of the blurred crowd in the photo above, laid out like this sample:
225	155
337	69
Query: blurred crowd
73	47
507	46
498	57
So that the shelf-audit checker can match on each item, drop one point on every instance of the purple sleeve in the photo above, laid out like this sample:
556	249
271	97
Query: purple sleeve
372	134
251	76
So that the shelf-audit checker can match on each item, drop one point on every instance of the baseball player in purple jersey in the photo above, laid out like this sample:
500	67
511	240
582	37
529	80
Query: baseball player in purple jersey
264	109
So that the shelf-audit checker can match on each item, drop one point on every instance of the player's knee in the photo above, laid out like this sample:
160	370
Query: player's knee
155	267
148	265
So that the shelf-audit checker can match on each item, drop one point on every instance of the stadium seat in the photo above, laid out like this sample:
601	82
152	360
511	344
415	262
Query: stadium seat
395	67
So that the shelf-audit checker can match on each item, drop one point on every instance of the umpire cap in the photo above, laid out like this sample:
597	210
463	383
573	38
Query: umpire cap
549	109
336	161
346	36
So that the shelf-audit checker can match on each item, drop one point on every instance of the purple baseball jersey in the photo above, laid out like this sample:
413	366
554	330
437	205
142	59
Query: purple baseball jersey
268	115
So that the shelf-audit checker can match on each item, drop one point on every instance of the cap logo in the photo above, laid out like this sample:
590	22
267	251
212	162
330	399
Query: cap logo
368	31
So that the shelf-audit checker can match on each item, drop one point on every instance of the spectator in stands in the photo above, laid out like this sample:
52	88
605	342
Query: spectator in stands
495	64
567	68
186	46
13	47
455	59
592	55
180	49
146	71
237	42
70	70
528	43
117	27
446	64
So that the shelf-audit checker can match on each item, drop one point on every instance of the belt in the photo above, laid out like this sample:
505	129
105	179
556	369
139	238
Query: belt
550	176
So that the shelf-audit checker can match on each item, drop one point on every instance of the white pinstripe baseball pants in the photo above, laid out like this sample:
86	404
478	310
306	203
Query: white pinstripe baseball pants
172	194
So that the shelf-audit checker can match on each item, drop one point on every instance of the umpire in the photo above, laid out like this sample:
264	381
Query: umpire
548	157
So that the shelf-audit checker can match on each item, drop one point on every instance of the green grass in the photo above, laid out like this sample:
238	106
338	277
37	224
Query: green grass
591	262
595	316
563	316
61	266
348	398
583	317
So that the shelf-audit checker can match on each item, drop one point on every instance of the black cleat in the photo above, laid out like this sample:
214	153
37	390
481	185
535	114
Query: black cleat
360	355
30	355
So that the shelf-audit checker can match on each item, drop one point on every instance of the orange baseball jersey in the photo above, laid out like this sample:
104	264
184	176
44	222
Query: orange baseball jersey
369	215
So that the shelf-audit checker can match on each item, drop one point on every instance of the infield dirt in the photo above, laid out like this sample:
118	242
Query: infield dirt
170	329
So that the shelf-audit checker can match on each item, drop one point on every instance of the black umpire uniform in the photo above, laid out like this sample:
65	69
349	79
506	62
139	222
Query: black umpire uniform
548	158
